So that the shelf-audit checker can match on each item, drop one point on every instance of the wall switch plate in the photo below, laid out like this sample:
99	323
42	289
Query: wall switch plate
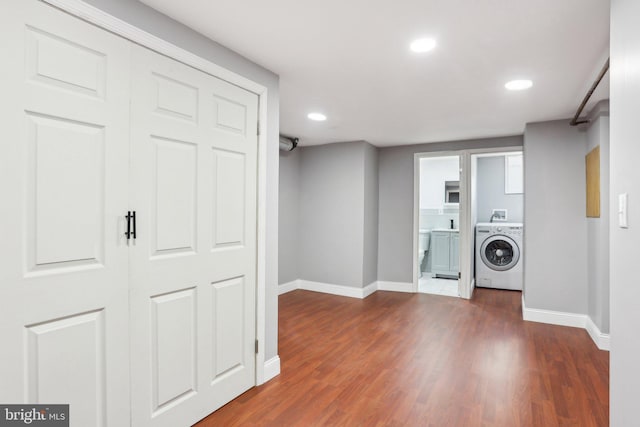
622	210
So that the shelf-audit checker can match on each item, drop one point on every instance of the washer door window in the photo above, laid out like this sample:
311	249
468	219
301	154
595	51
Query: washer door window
499	253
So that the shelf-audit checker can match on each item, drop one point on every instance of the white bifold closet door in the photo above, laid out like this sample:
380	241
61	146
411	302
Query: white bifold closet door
193	263
157	330
64	166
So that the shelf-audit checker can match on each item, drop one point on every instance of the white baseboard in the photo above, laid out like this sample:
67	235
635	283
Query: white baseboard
271	368
567	319
601	340
554	317
345	291
328	288
288	287
369	289
394	286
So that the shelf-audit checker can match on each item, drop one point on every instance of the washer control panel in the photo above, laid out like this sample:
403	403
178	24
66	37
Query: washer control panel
506	229
510	230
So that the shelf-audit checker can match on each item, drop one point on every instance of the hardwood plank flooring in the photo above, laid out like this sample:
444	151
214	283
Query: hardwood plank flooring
396	359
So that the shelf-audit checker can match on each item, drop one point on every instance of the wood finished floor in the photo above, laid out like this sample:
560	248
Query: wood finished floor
397	359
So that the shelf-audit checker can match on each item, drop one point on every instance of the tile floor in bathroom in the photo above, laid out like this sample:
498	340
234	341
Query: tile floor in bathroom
437	286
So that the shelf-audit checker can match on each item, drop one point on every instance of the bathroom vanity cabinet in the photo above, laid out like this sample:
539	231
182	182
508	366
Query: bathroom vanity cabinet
445	246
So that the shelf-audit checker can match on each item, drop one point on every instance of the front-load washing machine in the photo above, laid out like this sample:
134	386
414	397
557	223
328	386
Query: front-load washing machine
499	255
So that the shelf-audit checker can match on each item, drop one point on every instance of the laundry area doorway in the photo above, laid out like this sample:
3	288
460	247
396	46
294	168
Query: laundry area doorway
497	216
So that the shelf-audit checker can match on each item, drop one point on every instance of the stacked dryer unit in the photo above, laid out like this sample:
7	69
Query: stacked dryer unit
499	262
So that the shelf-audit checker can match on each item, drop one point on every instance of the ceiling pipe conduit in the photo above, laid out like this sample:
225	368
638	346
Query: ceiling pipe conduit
288	143
576	119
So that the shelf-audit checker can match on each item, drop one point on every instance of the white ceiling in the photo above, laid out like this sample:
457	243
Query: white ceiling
349	59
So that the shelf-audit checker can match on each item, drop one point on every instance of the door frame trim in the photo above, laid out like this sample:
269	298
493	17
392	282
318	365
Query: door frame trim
130	32
416	210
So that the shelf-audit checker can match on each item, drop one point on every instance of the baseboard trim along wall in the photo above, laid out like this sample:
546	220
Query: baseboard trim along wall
370	289
271	368
394	286
287	287
345	291
601	340
567	319
529	314
328	288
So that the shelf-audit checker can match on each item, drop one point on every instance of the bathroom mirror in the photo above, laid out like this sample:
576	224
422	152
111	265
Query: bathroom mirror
452	192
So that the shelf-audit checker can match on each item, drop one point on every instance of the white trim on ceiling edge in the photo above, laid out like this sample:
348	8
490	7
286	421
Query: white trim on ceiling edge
345	291
130	32
574	320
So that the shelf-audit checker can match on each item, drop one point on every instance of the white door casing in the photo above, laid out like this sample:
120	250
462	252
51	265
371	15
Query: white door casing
63	180
193	275
445	257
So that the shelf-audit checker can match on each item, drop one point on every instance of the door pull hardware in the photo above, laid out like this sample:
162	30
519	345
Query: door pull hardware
134	226
128	232
131	225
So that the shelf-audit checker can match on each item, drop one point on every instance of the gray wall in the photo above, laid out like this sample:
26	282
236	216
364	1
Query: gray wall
490	191
370	251
332	197
288	222
625	178
555	241
598	228
147	19
395	205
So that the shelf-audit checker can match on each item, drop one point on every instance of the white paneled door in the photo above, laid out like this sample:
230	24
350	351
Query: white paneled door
194	150
64	162
158	329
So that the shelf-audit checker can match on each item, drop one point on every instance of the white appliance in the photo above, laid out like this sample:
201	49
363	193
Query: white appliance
499	255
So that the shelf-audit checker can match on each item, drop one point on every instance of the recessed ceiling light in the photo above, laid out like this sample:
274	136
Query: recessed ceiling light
518	84
318	117
422	45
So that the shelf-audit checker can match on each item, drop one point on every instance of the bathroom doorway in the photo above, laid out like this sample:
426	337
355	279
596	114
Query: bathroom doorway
438	241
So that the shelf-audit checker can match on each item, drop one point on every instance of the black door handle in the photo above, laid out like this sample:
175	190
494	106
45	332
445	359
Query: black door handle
128	232
134	225
131	230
